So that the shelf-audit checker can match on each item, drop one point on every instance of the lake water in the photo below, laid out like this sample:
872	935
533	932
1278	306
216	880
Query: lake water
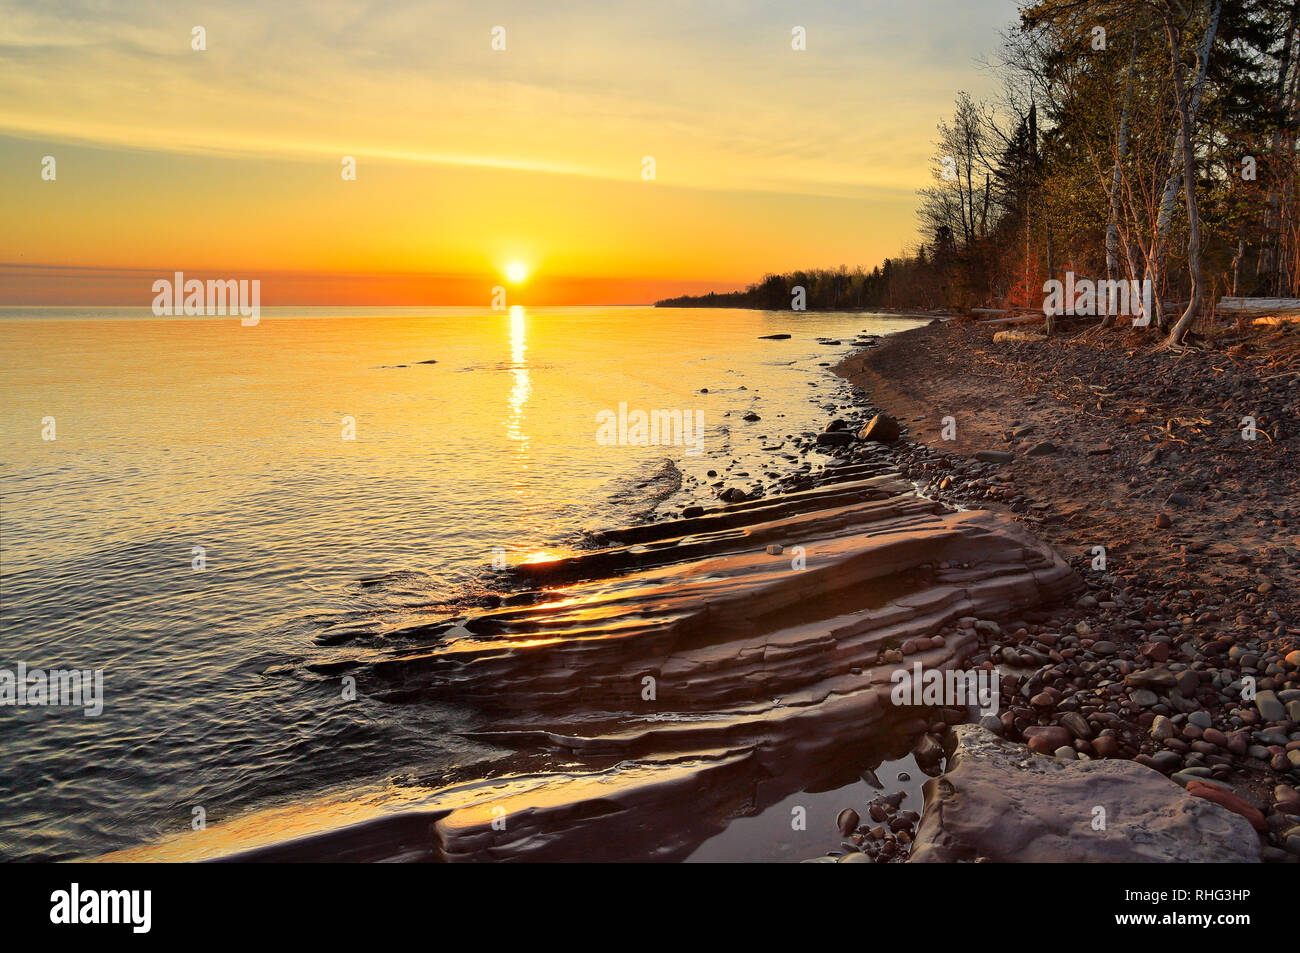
326	481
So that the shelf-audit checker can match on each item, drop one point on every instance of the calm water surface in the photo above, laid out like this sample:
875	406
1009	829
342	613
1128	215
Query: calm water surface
173	434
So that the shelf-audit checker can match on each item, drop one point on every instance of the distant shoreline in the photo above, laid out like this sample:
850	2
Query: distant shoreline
728	306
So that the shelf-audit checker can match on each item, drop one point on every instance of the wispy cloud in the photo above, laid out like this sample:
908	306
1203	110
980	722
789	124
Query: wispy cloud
713	91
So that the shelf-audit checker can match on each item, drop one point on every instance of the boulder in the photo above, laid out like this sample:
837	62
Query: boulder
882	428
835	438
1000	802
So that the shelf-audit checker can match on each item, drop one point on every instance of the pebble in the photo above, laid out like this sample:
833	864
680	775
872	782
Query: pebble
847	822
1077	725
1105	746
1144	697
993	723
1165	761
1268	706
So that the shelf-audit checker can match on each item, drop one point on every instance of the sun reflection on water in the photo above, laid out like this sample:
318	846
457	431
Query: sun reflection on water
522	388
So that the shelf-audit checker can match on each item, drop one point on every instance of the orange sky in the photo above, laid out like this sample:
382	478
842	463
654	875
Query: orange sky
226	162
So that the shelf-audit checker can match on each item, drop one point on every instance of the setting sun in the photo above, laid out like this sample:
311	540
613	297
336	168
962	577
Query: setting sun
516	272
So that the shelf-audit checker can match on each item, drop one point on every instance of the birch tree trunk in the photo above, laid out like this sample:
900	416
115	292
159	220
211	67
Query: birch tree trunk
1185	120
1186	111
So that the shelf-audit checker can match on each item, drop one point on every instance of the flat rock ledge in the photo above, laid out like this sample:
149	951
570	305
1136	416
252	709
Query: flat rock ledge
687	672
1001	802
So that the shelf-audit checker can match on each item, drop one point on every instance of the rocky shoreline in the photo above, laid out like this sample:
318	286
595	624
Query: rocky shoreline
1182	656
715	661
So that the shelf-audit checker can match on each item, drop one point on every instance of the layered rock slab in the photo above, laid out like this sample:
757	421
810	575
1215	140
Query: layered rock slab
1000	802
688	672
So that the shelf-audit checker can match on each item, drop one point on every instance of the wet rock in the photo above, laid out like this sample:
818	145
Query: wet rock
836	438
847	822
927	751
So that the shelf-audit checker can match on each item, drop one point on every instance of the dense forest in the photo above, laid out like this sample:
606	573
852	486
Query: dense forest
1149	141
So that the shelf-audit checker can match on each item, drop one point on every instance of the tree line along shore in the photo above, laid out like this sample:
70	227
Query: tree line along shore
1147	141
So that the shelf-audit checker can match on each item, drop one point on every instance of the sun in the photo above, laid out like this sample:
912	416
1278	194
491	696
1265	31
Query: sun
516	272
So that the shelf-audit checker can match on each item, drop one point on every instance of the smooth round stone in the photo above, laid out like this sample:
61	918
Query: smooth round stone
1105	747
1201	719
856	858
1166	761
